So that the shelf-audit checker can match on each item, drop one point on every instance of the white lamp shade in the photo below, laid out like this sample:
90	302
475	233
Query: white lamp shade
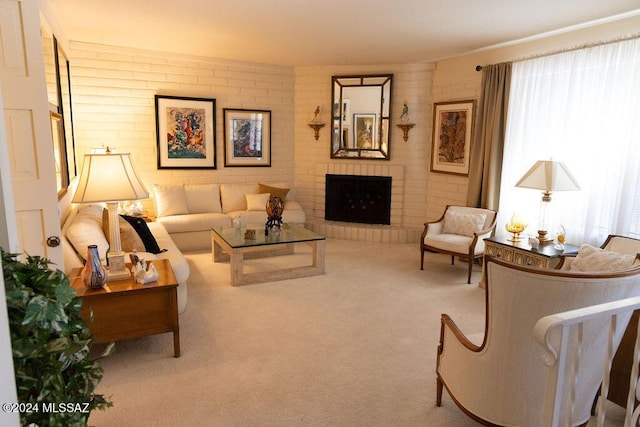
549	175
108	178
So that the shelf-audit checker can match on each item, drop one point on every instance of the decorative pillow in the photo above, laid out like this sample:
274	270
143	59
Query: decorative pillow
203	198
129	238
590	258
233	196
463	224
86	229
170	199
257	202
143	231
274	191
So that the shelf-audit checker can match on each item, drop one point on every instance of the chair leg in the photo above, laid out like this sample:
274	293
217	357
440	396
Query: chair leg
438	392
421	258
470	268
452	259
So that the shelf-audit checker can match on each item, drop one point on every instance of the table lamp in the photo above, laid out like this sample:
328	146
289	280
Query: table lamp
548	176
110	178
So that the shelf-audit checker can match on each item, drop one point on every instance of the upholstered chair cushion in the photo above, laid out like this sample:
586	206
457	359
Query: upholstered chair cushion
590	258
463	224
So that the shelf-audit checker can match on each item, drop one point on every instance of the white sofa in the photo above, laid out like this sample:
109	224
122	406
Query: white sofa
189	211
84	226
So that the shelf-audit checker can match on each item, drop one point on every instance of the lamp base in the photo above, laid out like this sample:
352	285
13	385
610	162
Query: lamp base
542	237
117	268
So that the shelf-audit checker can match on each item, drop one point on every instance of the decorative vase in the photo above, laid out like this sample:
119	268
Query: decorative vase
274	208
515	227
93	275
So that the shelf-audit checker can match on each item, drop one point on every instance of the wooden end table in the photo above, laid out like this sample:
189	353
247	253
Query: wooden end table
124	309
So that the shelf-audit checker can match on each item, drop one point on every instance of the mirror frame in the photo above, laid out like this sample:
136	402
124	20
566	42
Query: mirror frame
343	121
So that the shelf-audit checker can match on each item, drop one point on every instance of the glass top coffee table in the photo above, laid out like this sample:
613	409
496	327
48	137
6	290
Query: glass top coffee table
233	245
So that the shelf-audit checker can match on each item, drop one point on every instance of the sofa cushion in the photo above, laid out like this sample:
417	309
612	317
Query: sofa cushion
233	196
129	238
86	229
141	227
257	202
463	224
170	199
194	222
590	258
203	198
274	191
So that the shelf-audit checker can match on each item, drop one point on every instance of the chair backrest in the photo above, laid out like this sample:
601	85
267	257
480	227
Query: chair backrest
565	339
490	214
622	244
517	297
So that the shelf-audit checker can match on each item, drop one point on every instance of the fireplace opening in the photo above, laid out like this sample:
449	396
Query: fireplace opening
356	198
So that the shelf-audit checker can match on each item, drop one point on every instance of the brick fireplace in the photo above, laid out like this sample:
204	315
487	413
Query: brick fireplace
393	232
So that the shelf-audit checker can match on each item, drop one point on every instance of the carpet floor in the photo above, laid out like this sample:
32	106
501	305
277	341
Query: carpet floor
353	347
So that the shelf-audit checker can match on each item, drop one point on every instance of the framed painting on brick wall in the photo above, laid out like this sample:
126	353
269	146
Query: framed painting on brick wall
452	136
247	137
185	132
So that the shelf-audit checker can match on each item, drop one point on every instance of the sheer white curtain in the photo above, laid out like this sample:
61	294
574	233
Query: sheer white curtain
583	108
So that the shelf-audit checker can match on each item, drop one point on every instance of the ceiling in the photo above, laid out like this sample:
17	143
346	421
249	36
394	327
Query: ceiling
328	32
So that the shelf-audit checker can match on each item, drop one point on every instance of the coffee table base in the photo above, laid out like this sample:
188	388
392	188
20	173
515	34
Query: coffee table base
222	251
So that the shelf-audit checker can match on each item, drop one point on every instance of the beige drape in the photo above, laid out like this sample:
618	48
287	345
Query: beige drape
485	166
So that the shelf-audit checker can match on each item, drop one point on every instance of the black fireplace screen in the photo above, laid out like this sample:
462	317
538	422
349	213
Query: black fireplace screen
355	198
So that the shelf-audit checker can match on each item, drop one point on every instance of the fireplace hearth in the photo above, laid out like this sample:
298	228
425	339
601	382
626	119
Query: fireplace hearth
357	198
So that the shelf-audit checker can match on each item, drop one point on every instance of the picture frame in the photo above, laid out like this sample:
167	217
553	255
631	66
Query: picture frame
185	132
247	138
364	131
453	124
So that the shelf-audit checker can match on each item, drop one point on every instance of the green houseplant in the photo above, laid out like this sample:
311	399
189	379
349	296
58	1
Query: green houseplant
55	377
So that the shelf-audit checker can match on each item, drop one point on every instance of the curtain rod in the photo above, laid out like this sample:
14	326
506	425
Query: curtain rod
571	49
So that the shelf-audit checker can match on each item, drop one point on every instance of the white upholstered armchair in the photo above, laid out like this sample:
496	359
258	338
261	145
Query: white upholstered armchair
501	380
459	232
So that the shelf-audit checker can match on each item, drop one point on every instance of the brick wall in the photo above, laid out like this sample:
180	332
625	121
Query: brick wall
113	104
411	83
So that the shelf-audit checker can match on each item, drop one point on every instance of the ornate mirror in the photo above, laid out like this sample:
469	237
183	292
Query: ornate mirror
361	116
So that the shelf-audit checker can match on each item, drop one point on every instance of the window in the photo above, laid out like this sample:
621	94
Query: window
582	108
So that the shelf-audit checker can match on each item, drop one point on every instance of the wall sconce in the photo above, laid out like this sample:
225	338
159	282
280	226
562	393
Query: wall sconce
315	124
404	122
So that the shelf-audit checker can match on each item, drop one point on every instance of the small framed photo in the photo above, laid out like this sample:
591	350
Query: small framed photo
247	137
364	131
185	132
452	136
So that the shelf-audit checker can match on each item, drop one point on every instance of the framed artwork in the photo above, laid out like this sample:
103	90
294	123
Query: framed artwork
364	131
452	136
247	137
185	131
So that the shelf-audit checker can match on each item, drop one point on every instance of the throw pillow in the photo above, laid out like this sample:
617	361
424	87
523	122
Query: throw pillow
143	231
463	224
257	202
274	191
170	200
129	238
233	196
590	258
